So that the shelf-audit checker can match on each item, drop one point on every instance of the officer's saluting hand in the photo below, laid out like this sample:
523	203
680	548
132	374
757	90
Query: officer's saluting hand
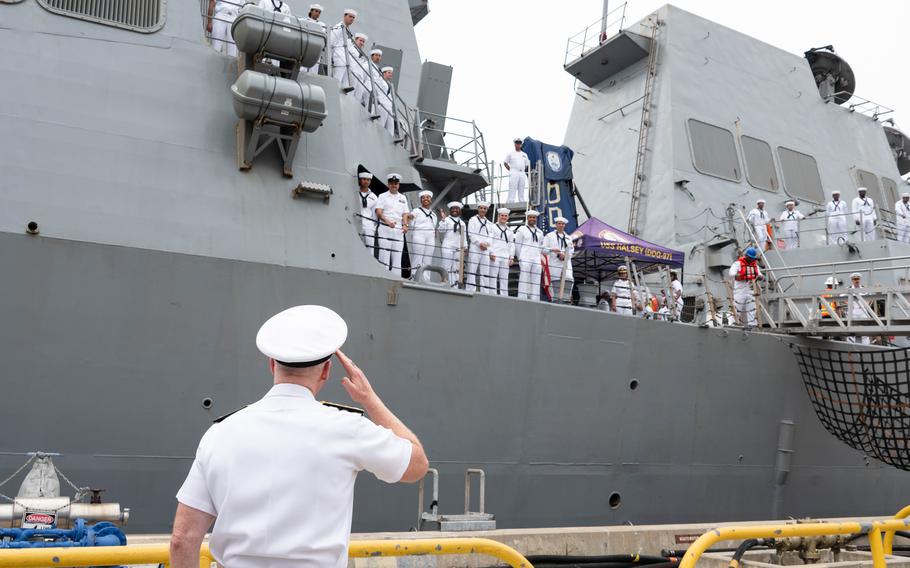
277	477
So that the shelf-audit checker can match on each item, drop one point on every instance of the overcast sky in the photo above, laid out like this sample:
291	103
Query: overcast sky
508	54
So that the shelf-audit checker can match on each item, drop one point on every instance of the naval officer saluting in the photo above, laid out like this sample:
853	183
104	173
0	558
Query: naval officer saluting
277	477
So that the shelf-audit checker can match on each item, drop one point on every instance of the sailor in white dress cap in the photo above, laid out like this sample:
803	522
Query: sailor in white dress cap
277	477
313	17
502	252
836	211
864	215
560	248
422	228
360	68
341	44
902	212
453	230
517	163
528	247
858	307
374	83
392	214
480	233
759	220
367	216
789	225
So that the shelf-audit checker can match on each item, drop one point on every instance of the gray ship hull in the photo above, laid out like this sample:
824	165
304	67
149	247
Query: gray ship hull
108	352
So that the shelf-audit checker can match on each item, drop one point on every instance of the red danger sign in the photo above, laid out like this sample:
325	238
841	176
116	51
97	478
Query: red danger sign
38	520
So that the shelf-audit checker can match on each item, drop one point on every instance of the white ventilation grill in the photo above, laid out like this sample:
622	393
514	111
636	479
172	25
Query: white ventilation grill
145	16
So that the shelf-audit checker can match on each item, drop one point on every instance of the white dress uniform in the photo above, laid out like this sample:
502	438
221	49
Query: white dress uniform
744	294
902	213
315	68
376	84
423	236
857	312
864	217
789	228
453	231
339	40
360	68
224	15
528	247
675	288
368	218
390	240
563	242
480	231
279	475
759	219
624	294
837	221
503	249
384	100
518	181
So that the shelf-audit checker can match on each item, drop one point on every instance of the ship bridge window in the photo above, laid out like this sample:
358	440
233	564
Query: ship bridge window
145	16
801	178
760	171
870	182
889	187
713	150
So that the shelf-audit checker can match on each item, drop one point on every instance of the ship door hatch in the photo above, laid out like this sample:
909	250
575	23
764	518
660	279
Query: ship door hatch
609	58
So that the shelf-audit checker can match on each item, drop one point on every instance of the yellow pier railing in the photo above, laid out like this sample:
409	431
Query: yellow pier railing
159	553
875	530
889	534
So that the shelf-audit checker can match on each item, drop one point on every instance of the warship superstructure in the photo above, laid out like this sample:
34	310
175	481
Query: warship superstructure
139	261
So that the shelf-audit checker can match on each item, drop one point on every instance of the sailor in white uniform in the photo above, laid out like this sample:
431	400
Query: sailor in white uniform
624	295
676	291
528	248
360	67
789	225
386	100
759	220
374	81
392	213
289	444
517	163
422	228
864	215
340	44
560	248
313	17
453	231
502	252
902	212
480	237
857	311
275	6
367	215
836	211
223	15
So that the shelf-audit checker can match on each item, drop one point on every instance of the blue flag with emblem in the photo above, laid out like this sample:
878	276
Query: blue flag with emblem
558	198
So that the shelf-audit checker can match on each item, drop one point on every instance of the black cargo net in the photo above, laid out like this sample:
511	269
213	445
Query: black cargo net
863	398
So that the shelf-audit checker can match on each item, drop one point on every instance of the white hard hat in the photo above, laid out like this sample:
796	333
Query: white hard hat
455	204
350	12
387	68
560	220
425	192
360	35
483	204
302	336
365	175
503	211
831	281
394	177
531	213
376	52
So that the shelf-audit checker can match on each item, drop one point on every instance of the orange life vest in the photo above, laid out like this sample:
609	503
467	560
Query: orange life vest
748	269
823	310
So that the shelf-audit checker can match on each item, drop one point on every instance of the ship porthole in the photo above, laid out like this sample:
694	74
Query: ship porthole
615	500
207	402
633	384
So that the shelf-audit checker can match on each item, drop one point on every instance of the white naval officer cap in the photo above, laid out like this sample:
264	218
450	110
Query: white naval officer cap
350	12
365	175
455	204
394	177
316	7
376	52
359	35
856	275
388	68
426	192
302	336
531	213
517	140
560	219
503	211
483	204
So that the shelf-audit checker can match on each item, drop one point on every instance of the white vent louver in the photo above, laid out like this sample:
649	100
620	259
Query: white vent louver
145	16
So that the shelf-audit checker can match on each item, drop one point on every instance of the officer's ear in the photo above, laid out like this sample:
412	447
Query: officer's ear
326	370
271	365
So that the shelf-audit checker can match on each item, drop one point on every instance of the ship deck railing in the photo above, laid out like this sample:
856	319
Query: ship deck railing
595	34
856	103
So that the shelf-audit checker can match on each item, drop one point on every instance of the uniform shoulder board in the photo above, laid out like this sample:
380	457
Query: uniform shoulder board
224	416
343	407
